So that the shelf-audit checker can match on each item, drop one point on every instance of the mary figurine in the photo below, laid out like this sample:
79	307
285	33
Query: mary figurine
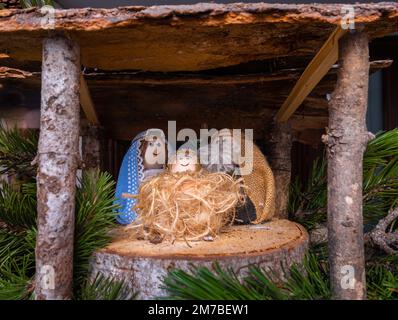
145	158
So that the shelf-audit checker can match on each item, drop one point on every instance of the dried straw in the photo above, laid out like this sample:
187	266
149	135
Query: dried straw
187	206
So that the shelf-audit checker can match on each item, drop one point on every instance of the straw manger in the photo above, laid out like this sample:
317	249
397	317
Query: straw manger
188	206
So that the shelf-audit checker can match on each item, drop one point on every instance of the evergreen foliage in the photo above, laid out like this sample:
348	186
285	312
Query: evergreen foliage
36	3
17	150
308	281
94	219
380	185
102	288
204	284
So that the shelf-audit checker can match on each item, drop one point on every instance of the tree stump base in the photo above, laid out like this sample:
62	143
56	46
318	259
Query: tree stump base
142	265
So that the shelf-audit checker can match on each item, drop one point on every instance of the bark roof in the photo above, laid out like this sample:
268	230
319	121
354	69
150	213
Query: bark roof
223	65
189	37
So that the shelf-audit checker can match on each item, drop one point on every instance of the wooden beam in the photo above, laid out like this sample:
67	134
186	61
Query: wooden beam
193	79
166	79
13	73
87	103
316	70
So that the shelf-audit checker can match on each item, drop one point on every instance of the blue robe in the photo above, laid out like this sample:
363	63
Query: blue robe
131	175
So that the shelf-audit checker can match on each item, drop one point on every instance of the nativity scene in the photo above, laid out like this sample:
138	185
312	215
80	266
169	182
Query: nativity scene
175	196
206	200
104	187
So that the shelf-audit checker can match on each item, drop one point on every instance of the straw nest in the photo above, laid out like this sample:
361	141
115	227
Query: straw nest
187	206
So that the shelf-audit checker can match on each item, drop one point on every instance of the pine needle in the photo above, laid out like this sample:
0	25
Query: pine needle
36	3
103	288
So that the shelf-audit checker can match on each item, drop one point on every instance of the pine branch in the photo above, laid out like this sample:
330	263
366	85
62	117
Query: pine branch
17	150
15	247
382	283
95	216
102	288
18	205
307	281
36	3
307	203
14	282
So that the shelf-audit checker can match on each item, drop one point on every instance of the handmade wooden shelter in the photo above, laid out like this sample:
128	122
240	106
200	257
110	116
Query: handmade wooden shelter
269	67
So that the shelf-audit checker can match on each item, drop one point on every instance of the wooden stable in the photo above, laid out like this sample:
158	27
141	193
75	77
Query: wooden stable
268	67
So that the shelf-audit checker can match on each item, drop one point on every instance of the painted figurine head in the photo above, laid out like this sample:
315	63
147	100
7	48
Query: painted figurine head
153	150
186	160
222	153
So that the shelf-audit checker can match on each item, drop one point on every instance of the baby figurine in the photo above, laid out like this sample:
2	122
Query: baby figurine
186	160
145	158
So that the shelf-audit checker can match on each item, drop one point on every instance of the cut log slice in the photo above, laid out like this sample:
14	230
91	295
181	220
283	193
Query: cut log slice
142	265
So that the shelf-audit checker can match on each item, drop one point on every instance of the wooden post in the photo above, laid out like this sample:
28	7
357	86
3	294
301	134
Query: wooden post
346	141
280	147
57	164
91	147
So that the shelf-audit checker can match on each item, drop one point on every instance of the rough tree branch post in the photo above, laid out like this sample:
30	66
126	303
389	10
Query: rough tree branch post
280	146
346	141
91	147
57	159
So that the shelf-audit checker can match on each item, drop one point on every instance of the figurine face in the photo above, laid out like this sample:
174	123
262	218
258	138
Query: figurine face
222	153
185	161
154	153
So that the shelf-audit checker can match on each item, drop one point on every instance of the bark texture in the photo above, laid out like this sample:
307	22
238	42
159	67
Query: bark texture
280	144
58	156
11	4
381	237
346	141
278	245
91	147
189	37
